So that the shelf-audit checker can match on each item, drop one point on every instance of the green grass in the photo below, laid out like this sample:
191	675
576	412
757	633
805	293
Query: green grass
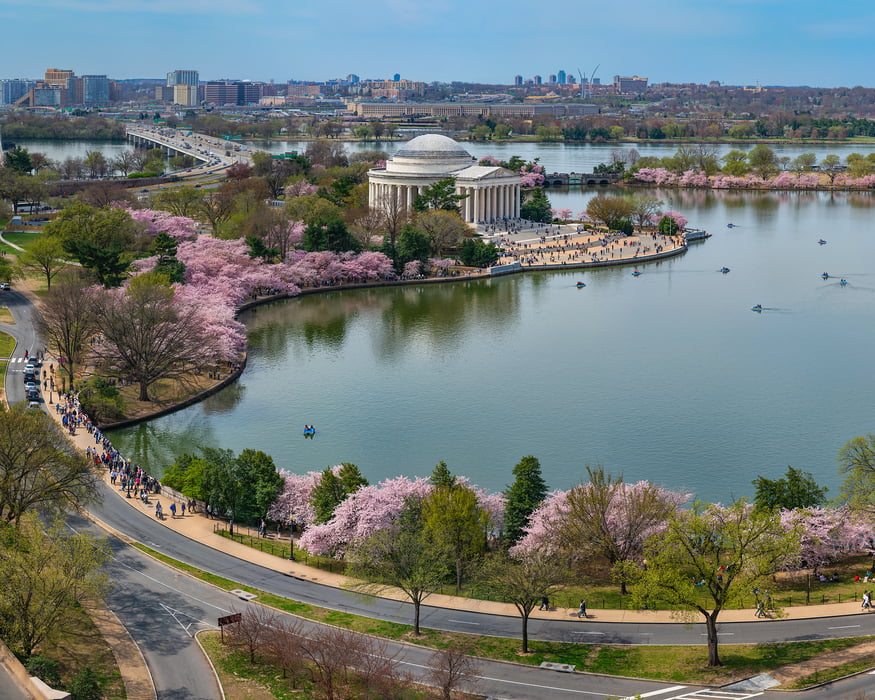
7	345
840	671
679	664
786	592
22	238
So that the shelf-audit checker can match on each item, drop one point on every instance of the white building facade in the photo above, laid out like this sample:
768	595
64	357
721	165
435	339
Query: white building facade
490	192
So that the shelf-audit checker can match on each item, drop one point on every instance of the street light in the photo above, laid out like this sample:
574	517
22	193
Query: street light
291	540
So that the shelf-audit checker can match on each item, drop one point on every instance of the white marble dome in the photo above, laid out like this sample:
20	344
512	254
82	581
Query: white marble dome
429	154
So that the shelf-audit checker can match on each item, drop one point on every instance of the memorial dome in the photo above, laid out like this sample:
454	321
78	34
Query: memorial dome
429	154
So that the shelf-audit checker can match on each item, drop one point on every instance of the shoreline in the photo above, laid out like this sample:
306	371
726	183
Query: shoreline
260	301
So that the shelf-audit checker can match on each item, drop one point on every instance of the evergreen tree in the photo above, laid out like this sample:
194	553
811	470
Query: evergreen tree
333	489
475	252
797	489
413	244
440	195
667	226
442	477
537	207
523	496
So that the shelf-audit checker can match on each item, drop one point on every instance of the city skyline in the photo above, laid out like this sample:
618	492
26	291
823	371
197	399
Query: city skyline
771	42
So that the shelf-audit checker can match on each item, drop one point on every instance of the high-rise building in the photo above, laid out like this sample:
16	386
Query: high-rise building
232	92
396	77
95	89
537	79
183	77
517	80
58	77
13	89
561	77
552	79
185	95
352	78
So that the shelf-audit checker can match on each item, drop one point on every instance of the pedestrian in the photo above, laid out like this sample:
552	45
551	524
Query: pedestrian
545	603
867	602
261	528
158	513
182	509
582	611
172	510
761	612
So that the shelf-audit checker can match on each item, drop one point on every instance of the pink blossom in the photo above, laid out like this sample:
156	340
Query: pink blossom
177	227
679	218
412	269
299	188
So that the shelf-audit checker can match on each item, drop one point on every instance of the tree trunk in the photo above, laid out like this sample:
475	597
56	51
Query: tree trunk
416	604
525	618
144	391
458	575
711	625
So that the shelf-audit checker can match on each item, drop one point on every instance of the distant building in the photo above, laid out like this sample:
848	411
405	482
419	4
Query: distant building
537	79
58	77
630	86
396	77
561	77
517	80
381	110
552	79
352	78
232	92
185	95
183	77
95	90
14	89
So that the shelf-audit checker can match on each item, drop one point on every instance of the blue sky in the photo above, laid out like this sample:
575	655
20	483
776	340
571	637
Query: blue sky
773	42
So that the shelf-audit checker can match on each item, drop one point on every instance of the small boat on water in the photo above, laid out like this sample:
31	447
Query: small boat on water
730	225
825	275
724	270
580	285
309	431
635	273
822	242
843	282
756	307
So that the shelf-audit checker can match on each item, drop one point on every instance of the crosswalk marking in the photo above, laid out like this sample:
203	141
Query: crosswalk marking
715	694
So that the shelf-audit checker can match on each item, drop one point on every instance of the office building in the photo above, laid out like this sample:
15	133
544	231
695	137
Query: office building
183	77
561	77
630	86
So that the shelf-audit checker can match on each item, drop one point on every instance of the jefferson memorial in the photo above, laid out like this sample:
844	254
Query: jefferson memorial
491	192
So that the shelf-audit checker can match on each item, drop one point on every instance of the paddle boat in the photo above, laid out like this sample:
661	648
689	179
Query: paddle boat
825	275
822	242
756	307
724	270
580	285
730	225
309	431
843	282
635	273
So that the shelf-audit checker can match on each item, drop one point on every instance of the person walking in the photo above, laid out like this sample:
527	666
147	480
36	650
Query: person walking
761	610
172	510
545	603
582	611
867	602
182	509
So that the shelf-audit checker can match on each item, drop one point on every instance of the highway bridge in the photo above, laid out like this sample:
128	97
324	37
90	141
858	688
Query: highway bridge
214	156
566	179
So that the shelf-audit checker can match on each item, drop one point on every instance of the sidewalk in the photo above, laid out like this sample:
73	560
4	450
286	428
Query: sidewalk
200	528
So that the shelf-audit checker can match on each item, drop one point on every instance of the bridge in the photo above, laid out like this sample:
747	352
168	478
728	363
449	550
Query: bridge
566	179
213	155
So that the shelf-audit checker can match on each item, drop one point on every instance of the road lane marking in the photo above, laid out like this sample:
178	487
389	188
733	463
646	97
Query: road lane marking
462	622
719	634
846	627
663	691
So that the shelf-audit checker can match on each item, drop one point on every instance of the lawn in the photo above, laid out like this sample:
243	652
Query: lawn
6	315
7	345
685	664
23	239
789	589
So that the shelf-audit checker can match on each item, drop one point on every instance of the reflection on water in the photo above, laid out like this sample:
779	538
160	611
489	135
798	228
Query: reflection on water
668	376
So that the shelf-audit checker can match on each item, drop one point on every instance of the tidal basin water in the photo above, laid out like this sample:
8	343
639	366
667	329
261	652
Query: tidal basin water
668	376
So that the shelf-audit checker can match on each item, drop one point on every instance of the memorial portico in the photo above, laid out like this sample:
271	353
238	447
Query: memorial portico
490	192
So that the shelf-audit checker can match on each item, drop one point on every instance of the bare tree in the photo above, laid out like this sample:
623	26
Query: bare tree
332	653
67	321
451	669
395	215
146	336
253	630
216	208
445	229
105	192
284	644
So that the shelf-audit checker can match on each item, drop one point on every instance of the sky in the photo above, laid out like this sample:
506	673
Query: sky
737	42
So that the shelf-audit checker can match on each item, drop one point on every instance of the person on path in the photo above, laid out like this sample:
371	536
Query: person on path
761	611
172	510
158	513
582	611
545	603
867	602
182	509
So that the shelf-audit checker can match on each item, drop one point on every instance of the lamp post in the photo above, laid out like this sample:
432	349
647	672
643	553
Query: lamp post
291	540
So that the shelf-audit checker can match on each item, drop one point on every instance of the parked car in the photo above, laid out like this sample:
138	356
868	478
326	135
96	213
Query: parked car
35	405
5	286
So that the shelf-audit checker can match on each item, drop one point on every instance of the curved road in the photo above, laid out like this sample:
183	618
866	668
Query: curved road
23	330
156	604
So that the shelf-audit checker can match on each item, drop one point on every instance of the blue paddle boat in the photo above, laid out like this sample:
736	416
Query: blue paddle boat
843	282
756	307
822	242
825	275
580	285
635	273
724	270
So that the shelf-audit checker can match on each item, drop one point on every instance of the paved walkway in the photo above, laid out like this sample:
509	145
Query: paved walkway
199	527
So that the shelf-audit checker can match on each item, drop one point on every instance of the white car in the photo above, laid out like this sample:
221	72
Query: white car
5	286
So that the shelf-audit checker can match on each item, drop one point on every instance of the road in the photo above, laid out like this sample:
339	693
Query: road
162	609
23	330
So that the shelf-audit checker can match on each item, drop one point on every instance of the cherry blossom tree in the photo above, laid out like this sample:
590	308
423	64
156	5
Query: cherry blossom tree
179	228
827	535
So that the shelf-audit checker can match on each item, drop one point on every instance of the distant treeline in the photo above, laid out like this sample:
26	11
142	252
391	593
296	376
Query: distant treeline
34	126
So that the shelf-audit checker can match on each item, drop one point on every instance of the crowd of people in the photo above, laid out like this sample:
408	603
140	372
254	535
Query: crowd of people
574	248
